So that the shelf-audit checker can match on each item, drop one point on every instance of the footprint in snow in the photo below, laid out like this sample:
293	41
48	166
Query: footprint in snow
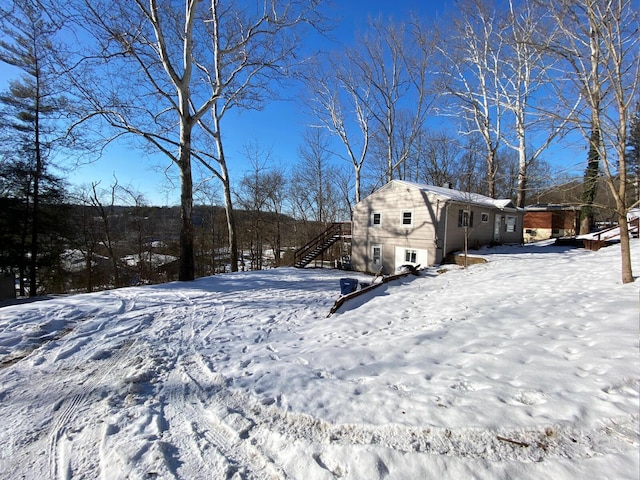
529	397
465	386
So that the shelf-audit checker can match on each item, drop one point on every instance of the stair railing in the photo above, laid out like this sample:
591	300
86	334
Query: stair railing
332	231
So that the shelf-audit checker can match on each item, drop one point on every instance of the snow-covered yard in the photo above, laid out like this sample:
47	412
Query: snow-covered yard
524	367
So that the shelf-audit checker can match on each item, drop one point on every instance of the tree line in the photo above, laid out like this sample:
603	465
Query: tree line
474	99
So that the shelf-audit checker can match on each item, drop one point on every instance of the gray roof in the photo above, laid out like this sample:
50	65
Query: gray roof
460	196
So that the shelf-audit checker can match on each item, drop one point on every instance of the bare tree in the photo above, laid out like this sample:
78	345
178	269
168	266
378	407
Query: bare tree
393	63
186	59
578	45
103	202
523	79
150	45
253	196
471	51
213	237
470	167
341	102
439	158
600	44
620	24
138	234
251	48
275	183
85	240
312	188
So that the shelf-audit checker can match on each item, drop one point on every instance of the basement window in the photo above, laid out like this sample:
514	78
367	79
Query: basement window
410	256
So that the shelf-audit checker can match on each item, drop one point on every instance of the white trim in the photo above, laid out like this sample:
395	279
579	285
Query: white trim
421	256
406	225
373	258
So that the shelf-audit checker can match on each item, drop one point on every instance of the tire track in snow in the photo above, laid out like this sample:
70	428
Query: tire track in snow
187	393
528	444
66	410
188	408
235	424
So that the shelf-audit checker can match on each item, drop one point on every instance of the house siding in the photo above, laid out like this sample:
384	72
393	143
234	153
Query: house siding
390	201
479	234
434	231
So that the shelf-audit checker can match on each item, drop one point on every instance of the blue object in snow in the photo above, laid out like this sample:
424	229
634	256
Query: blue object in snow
348	285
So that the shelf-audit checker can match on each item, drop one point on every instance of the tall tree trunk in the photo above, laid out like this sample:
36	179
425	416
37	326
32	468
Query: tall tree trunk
89	269
228	207
492	169
625	249
35	215
187	263
22	261
37	174
521	195
278	241
358	180
590	183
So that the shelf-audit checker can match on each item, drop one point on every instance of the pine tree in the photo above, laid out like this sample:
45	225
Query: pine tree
28	110
590	187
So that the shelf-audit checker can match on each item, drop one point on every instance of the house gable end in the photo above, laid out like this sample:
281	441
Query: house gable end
404	220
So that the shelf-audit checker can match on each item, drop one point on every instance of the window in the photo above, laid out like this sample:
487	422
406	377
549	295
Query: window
510	224
465	218
410	256
377	255
376	219
407	218
484	217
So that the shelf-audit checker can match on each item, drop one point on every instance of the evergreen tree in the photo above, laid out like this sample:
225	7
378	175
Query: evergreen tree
28	110
590	188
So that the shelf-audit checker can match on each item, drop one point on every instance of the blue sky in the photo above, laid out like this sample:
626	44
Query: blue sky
278	128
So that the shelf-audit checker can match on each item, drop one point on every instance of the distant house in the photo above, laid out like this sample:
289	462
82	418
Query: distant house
408	223
544	221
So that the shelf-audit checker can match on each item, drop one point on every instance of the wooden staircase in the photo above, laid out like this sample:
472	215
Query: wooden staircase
313	249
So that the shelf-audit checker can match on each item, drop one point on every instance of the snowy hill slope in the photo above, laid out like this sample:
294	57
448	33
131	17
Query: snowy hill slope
524	367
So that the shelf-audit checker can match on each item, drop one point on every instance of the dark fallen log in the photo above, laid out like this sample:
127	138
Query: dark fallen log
343	298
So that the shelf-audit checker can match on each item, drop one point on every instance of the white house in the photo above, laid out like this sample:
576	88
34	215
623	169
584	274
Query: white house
408	223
